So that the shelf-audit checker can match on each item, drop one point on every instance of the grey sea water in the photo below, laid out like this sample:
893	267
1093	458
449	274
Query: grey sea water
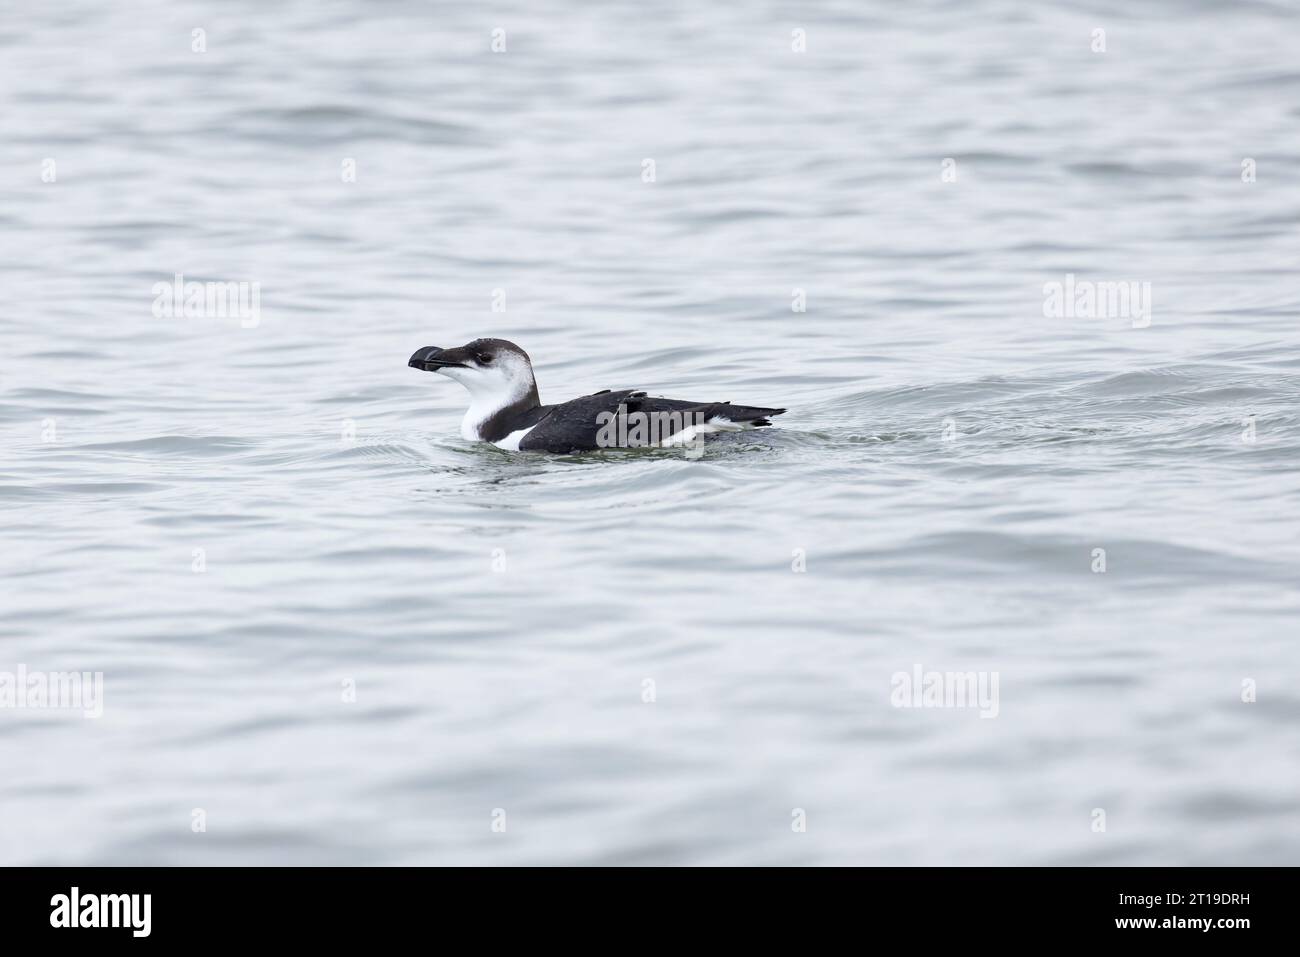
334	632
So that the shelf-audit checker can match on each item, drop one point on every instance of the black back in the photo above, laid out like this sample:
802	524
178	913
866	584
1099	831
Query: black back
574	426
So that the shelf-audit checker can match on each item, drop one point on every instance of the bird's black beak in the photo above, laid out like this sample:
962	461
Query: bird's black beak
431	359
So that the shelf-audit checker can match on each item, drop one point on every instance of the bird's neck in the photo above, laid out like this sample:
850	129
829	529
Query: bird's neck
487	409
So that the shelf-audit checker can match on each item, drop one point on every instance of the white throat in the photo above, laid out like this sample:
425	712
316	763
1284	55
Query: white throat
490	391
481	408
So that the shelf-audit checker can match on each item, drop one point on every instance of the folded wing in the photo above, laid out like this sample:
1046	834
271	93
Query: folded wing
583	424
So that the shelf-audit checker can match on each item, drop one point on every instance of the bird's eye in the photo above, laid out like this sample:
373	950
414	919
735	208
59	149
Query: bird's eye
484	359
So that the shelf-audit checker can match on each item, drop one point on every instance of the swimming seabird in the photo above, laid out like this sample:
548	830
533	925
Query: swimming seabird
506	410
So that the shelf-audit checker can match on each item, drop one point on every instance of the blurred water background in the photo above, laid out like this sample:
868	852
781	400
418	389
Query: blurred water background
952	460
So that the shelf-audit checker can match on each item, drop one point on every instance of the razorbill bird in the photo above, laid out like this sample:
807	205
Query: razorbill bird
505	409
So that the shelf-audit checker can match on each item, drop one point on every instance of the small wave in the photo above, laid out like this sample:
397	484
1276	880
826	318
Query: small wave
337	124
177	445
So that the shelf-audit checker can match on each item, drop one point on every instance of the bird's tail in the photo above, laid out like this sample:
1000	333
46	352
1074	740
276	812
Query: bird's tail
742	416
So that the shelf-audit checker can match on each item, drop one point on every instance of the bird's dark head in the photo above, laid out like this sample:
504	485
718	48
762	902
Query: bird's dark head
495	371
